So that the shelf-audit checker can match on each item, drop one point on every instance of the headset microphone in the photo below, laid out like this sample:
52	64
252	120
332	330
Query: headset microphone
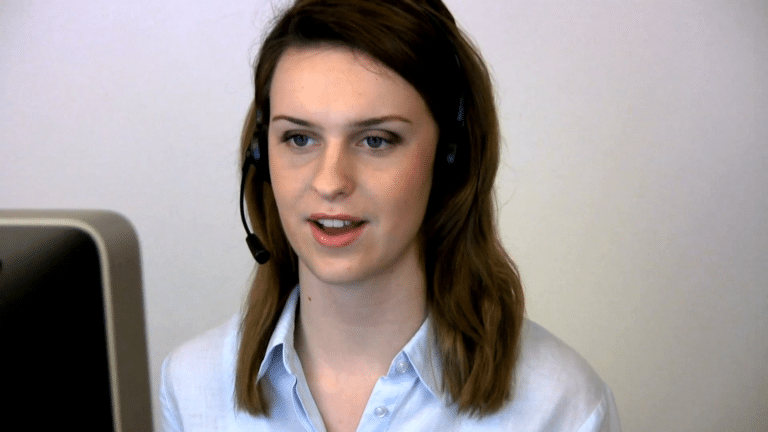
259	252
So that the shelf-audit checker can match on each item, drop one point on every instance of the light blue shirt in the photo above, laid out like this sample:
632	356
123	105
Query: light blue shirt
554	388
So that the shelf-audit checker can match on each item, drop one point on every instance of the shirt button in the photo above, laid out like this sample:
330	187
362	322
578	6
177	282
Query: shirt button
402	367
381	411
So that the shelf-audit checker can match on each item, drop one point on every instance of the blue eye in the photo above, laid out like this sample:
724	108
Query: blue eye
299	140
376	142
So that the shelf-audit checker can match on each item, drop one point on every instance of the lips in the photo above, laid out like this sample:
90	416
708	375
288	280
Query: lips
336	230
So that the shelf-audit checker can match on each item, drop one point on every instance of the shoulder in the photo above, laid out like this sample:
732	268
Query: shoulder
198	376
550	363
205	353
557	387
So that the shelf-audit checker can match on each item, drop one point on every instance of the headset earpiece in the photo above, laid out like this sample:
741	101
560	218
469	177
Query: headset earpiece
460	116
451	156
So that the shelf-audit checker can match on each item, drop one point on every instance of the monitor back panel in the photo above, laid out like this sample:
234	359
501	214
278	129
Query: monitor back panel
72	341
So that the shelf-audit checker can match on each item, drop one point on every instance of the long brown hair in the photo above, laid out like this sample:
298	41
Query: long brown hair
473	289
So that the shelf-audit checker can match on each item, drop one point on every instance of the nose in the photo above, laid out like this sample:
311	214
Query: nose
334	176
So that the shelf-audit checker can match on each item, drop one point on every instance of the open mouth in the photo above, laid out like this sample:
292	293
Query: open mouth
333	227
336	232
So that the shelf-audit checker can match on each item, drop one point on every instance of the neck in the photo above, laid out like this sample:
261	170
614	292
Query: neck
359	326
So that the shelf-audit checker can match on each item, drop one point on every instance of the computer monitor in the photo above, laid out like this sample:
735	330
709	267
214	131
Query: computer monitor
73	349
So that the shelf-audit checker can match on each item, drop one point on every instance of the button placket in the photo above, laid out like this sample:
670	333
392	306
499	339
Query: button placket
387	394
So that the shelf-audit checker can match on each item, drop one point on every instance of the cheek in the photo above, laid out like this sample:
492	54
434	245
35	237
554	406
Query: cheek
409	188
282	190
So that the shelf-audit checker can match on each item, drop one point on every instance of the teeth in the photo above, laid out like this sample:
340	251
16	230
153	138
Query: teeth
334	223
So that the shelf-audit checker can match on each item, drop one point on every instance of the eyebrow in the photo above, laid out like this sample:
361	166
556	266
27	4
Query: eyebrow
358	124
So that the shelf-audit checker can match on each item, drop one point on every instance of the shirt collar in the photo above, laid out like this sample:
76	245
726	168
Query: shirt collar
282	338
420	351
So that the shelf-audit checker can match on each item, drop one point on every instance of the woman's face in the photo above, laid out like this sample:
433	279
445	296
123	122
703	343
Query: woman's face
351	150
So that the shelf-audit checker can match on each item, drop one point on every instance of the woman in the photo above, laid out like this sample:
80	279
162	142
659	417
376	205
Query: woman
388	302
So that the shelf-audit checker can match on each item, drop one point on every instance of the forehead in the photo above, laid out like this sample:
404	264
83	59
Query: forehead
339	79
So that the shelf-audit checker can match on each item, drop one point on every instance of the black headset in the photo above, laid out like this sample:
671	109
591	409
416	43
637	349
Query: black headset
252	159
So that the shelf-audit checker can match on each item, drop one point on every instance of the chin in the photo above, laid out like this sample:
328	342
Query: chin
338	275
340	272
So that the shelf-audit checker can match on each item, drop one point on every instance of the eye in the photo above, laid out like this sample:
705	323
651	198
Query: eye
377	142
298	140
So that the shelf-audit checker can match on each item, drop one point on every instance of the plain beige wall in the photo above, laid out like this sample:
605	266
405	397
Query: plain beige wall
632	193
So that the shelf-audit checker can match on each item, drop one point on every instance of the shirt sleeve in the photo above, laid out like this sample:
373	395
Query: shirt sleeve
605	417
171	420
